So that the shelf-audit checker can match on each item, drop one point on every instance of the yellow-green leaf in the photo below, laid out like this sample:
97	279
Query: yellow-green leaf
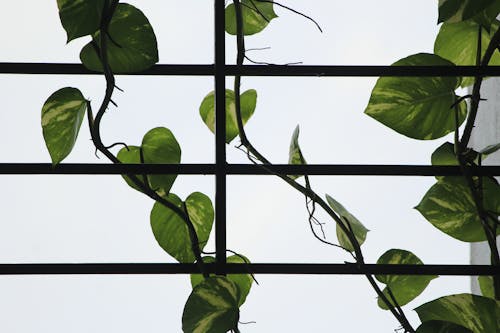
171	231
248	101
404	288
256	16
62	116
80	17
477	313
243	281
212	307
418	107
357	227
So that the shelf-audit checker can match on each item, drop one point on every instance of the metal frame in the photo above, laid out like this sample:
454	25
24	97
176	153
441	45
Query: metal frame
220	70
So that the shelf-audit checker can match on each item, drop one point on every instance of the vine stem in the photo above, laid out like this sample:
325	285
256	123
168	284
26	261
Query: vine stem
307	191
462	146
95	131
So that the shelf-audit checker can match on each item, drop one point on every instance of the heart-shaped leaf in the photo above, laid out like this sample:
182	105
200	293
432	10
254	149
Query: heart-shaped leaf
256	16
460	10
243	281
171	231
444	155
212	307
80	17
449	206
418	107
457	42
62	116
248	101
404	288
476	313
159	146
295	154
131	43
357	227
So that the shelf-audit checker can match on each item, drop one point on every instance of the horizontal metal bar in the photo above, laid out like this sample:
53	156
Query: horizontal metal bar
241	169
79	69
262	70
362	71
278	268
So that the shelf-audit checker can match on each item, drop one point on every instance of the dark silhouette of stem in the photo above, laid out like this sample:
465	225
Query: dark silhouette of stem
462	147
307	191
95	128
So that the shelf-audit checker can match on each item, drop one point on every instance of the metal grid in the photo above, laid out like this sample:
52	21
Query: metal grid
220	71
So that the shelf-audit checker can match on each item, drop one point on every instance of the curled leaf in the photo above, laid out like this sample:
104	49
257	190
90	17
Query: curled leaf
295	154
348	219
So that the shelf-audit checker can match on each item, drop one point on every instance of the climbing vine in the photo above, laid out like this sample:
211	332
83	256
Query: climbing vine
466	208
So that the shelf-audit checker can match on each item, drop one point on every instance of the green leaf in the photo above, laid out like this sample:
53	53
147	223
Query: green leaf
457	42
256	16
131	155
159	146
295	155
444	155
358	228
405	288
478	314
248	101
491	196
62	116
486	286
80	17
460	10
438	326
418	107
243	281
212	307
171	231
449	206
131	43
486	17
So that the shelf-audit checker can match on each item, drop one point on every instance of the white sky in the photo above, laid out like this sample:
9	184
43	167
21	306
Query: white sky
100	219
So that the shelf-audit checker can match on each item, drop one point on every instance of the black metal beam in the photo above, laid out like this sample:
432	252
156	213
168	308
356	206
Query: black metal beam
241	169
261	70
79	69
270	268
220	133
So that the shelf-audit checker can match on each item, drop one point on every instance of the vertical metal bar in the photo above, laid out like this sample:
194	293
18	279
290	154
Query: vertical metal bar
220	136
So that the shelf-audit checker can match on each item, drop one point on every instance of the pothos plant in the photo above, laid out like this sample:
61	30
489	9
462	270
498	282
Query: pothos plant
424	108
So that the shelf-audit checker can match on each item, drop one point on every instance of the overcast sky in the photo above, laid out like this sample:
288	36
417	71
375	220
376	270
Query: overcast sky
100	219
